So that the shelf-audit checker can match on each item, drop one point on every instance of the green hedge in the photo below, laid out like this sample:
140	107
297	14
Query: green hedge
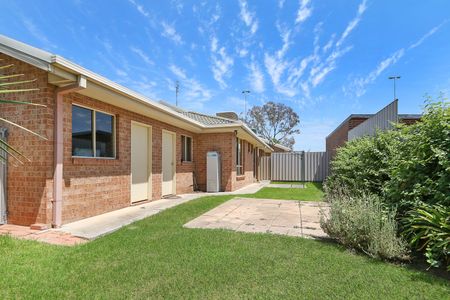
407	167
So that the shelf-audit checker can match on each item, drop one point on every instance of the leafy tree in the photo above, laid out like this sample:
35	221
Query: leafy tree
9	85
275	122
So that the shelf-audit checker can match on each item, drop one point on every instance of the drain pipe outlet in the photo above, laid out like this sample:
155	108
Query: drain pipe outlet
59	148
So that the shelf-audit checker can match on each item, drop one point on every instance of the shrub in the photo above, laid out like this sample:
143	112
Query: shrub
361	222
428	228
420	172
363	164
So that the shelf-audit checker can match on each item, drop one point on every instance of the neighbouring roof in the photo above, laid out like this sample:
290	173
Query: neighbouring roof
204	119
208	120
367	116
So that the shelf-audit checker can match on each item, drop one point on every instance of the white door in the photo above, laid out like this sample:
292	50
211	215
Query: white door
140	163
168	163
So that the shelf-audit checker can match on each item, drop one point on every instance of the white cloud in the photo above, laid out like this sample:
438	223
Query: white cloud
304	12
281	3
427	35
358	85
319	73
214	42
121	73
322	68
170	32
353	23
248	17
37	33
256	78
221	67
142	55
242	52
191	91
140	8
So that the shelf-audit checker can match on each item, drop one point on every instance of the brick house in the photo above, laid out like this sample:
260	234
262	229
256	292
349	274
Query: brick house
107	147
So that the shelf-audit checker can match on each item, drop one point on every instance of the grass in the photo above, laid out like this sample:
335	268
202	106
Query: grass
158	258
313	191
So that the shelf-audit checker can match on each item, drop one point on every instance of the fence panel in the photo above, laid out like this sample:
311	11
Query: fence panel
295	166
286	166
264	168
316	166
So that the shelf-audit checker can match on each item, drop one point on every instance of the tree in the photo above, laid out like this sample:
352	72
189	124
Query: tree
275	122
9	85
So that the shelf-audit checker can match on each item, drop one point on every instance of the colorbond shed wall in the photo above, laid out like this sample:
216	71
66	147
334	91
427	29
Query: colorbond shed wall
382	120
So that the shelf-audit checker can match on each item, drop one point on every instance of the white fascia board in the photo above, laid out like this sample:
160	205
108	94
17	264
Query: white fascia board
31	55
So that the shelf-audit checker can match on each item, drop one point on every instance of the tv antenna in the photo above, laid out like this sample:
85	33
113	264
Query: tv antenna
177	90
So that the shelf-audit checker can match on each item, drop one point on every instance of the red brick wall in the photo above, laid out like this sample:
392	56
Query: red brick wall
222	143
409	121
30	185
94	186
339	137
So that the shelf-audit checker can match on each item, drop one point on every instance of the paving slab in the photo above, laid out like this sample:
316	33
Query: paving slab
286	217
286	185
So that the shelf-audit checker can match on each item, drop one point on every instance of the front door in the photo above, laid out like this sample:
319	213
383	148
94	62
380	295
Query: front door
168	163
140	163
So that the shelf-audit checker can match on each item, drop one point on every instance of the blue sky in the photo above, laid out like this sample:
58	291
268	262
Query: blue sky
326	59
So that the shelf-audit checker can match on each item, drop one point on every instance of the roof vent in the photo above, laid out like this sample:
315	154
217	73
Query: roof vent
228	115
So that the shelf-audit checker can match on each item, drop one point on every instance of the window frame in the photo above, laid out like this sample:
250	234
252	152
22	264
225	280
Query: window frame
94	133
183	148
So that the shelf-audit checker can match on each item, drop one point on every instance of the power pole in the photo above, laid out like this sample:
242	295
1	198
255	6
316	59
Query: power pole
245	103
394	78
177	90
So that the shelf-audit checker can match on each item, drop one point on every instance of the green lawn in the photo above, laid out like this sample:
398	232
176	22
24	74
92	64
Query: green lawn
158	258
312	192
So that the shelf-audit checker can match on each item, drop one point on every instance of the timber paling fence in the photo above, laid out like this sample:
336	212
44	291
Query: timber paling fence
295	166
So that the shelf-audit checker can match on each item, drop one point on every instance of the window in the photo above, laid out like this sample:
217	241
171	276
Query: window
186	148
239	157
89	128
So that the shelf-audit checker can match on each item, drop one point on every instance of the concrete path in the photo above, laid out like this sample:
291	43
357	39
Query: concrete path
287	217
94	227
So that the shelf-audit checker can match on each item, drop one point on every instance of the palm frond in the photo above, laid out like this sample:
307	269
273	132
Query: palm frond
2	142
6	66
11	154
17	91
17	82
2	77
21	102
23	128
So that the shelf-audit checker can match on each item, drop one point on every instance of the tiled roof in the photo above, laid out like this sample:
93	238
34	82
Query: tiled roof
206	119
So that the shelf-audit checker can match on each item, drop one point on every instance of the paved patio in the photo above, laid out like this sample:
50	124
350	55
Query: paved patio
46	236
287	217
91	228
94	227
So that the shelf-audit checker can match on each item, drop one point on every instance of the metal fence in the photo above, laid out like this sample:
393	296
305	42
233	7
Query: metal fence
295	166
264	168
382	120
3	173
